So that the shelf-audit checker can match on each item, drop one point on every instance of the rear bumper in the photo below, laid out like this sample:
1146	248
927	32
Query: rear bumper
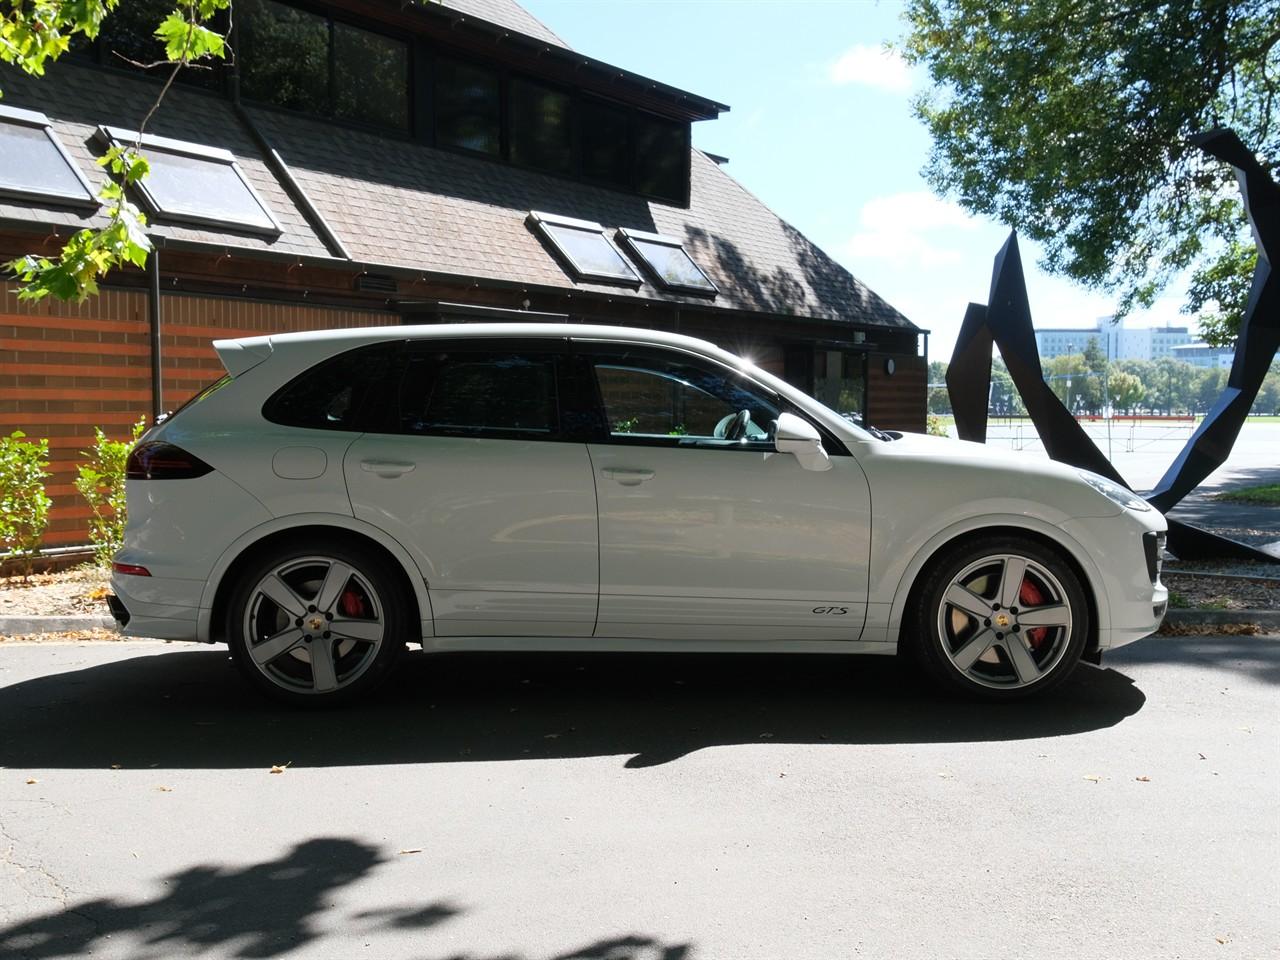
161	607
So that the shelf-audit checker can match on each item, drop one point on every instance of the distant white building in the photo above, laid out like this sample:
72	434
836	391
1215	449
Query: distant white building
1116	340
1204	355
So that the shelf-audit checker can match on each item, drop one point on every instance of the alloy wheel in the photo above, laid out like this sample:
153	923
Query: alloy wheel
314	625
1005	621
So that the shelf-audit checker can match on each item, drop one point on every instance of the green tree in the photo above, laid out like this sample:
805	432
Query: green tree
1268	400
939	400
1208	386
1172	386
1005	399
34	32
1126	391
1070	120
1095	358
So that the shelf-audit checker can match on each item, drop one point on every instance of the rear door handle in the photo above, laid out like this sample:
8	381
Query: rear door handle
386	468
626	476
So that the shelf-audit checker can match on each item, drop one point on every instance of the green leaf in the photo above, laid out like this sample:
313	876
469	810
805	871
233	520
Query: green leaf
186	40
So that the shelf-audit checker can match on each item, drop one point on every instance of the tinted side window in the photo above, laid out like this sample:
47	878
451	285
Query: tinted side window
647	399
473	393
331	395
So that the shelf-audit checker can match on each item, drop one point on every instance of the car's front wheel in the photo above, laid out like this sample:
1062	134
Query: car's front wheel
1000	617
317	623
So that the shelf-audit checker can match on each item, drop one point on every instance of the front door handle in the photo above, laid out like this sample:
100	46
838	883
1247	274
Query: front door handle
626	476
386	468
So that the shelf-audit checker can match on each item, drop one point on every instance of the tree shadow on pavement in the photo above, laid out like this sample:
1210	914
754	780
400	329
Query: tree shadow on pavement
259	911
190	710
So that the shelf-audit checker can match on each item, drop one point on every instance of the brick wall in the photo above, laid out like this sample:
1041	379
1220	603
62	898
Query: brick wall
66	368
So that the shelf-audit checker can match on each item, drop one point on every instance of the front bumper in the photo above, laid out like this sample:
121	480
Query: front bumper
1131	599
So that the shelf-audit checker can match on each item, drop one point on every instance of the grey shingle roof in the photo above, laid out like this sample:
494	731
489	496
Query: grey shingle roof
401	203
78	99
398	203
505	13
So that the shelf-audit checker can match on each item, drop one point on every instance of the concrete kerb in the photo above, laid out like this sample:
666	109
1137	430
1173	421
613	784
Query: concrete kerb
25	626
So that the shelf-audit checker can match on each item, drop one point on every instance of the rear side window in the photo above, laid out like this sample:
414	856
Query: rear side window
333	394
480	393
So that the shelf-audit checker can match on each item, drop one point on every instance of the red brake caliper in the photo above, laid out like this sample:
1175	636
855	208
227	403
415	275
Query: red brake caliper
1031	596
351	604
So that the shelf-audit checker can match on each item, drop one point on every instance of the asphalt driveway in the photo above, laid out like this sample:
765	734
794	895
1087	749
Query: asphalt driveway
677	808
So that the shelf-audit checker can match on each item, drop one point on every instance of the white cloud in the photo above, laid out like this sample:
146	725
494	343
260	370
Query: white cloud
871	67
899	226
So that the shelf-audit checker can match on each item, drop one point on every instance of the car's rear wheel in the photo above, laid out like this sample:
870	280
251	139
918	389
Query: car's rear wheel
316	623
1000	618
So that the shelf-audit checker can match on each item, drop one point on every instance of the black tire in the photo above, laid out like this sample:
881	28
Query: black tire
1003	651
370	600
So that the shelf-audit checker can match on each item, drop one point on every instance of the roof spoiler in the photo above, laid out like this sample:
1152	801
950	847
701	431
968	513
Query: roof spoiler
241	355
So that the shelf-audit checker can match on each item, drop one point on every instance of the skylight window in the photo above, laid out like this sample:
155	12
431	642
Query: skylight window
193	183
667	260
585	248
35	165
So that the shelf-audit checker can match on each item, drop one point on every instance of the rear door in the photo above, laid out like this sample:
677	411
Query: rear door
474	470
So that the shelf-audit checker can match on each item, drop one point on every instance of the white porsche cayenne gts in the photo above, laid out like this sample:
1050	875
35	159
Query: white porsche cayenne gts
556	487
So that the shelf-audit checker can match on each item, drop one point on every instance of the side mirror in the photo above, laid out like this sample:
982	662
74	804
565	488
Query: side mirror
801	439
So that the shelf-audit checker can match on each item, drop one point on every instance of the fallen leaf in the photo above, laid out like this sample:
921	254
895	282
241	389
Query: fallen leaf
550	736
1093	778
766	736
277	768
1203	757
165	789
1143	779
32	780
1223	939
410	850
115	766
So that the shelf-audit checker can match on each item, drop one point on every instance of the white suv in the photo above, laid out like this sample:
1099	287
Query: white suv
555	487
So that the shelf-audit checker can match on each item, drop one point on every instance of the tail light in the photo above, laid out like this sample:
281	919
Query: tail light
157	460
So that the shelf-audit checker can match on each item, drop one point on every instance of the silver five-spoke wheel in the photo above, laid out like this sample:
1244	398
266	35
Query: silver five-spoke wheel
317	625
1004	621
1000	617
314	625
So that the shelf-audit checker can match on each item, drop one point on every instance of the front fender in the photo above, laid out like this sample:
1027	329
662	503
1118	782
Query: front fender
1095	583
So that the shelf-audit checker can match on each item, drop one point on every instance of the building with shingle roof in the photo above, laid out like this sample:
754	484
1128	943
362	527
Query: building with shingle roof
363	162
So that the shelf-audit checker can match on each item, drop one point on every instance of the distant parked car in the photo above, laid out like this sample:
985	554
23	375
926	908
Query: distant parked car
554	487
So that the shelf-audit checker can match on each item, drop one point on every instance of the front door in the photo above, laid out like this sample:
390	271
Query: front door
480	482
706	532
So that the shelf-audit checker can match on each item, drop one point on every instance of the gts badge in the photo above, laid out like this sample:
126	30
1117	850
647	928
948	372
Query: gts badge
831	611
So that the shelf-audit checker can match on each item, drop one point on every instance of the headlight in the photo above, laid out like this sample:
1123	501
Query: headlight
1114	492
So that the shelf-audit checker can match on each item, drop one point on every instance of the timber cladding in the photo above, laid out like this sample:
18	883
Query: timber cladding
894	400
67	368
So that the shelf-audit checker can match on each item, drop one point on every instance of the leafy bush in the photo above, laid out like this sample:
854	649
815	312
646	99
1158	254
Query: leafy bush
935	427
101	483
24	506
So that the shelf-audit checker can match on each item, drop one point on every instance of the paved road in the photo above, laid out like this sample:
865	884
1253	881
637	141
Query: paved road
639	807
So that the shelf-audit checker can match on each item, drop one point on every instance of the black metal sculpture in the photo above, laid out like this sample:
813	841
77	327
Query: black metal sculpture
1259	329
1006	322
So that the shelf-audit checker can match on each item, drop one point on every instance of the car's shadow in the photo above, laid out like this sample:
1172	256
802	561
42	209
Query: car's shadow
189	709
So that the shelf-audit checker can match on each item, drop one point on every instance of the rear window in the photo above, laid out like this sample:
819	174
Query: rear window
480	393
333	394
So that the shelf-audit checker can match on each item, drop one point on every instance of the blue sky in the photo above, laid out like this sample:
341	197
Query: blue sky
821	129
